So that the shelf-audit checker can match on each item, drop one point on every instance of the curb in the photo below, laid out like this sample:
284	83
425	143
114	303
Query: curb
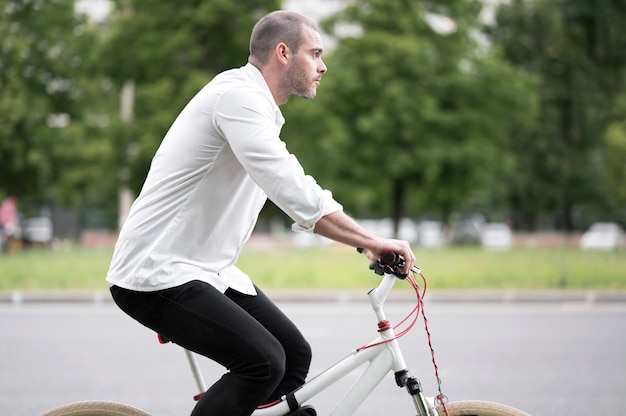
460	296
17	297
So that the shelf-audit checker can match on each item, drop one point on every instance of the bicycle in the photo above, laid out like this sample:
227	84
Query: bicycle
381	356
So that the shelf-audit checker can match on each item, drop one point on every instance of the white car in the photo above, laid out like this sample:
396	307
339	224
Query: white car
602	236
37	230
431	234
496	236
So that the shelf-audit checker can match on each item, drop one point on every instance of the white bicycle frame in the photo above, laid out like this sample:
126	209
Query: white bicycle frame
382	359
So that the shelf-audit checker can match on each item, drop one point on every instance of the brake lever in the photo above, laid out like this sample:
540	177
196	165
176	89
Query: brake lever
381	268
378	268
390	263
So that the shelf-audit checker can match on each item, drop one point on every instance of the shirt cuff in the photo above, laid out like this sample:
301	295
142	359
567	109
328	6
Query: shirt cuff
329	206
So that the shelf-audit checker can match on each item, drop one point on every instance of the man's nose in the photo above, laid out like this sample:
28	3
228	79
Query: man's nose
322	68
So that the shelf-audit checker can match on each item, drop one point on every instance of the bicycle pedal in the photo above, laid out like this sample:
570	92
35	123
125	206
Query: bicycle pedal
303	411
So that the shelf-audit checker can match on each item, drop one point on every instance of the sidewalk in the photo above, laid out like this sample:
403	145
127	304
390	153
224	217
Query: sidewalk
347	296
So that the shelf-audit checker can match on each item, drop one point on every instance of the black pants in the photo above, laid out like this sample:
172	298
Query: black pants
265	353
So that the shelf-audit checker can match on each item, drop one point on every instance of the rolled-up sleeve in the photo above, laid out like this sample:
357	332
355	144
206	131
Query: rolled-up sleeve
251	124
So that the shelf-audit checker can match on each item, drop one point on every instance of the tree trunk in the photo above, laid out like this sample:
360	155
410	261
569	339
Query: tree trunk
398	205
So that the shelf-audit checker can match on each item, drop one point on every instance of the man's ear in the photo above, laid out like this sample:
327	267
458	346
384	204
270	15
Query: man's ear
282	52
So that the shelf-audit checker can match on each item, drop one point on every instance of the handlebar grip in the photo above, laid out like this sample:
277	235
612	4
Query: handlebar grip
389	258
389	262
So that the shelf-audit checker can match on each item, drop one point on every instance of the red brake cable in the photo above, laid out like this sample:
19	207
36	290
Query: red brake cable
415	312
441	398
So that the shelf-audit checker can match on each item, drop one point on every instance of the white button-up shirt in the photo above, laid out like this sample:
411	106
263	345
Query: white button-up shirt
208	181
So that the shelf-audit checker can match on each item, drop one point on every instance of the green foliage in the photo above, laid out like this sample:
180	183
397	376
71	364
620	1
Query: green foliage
56	66
152	39
416	117
49	148
615	167
28	69
409	121
578	51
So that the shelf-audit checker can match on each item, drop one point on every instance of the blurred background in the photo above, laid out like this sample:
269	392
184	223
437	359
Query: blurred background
495	123
489	133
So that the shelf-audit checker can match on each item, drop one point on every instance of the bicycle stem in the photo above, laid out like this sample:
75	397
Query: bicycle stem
378	295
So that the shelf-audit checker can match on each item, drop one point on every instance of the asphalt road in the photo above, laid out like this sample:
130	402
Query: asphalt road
545	358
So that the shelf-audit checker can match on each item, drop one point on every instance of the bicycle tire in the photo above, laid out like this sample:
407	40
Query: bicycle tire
95	408
479	408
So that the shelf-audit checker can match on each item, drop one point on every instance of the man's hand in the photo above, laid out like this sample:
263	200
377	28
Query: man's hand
398	246
340	227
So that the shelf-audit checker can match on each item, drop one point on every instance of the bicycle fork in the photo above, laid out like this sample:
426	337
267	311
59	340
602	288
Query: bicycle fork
414	388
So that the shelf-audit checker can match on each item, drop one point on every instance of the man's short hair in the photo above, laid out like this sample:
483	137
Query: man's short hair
275	27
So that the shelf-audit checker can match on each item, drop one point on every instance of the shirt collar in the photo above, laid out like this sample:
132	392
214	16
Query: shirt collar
254	73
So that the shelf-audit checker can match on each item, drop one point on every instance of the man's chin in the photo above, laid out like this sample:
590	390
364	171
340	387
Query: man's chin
309	95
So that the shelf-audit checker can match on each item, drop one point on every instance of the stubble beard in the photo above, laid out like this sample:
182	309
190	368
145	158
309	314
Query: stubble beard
299	83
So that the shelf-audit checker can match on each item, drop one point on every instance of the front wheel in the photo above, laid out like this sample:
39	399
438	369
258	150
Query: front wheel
479	408
95	408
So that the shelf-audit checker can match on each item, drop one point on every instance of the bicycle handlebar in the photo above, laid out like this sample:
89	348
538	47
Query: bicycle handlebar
390	263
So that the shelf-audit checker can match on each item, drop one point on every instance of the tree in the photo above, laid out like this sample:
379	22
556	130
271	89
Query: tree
577	49
411	120
47	149
62	139
613	157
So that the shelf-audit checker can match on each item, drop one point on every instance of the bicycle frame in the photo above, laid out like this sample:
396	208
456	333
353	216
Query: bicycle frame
381	358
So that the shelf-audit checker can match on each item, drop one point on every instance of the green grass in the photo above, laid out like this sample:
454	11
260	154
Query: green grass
69	267
337	267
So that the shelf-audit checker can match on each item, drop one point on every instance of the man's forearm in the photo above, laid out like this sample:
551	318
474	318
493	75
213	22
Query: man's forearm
341	228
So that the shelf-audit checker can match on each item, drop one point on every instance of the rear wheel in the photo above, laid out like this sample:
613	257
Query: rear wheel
95	408
479	408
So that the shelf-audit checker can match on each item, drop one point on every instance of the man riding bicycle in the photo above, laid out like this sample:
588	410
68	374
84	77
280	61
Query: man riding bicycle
173	268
